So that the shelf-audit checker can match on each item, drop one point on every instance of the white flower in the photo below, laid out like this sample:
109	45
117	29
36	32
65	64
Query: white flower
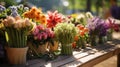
89	15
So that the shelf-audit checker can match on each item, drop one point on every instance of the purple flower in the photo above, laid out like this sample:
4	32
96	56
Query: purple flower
97	26
14	13
13	8
2	8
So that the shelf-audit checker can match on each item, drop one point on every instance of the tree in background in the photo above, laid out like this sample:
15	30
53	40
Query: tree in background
46	4
8	3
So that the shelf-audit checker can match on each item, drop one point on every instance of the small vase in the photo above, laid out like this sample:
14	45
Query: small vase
42	48
109	35
54	47
16	55
66	49
102	39
93	40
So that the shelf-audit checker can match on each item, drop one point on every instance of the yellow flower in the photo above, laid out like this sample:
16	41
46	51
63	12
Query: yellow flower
74	15
5	22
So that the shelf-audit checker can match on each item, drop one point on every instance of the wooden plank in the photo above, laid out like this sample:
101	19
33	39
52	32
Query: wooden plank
93	59
60	61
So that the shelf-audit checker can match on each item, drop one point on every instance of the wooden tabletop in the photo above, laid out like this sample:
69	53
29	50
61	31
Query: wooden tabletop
87	57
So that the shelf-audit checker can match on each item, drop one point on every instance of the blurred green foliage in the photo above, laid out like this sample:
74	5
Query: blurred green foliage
8	3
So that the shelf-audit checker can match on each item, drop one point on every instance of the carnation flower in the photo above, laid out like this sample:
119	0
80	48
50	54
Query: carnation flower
41	35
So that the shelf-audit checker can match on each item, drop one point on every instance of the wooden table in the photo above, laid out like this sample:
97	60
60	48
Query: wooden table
83	58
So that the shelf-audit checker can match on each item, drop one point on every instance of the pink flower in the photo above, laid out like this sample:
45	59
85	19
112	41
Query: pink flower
36	31
52	34
40	27
39	36
44	35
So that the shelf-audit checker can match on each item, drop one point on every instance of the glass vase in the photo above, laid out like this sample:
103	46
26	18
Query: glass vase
109	35
93	40
102	39
81	43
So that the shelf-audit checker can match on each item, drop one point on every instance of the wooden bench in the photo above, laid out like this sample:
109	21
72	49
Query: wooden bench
82	58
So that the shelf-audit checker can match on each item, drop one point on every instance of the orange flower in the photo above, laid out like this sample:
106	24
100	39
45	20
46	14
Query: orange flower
43	21
26	14
80	26
33	9
85	29
38	18
82	33
76	37
73	44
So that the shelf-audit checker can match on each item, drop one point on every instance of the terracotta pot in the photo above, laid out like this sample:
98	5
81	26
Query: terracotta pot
54	47
16	55
42	48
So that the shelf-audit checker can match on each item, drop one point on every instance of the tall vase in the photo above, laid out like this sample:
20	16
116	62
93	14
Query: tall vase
16	55
66	49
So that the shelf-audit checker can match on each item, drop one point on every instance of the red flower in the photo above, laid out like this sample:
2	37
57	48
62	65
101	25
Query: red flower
53	19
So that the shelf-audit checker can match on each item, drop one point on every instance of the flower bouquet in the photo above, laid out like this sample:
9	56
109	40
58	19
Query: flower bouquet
97	29
16	30
111	27
65	33
40	37
36	15
81	37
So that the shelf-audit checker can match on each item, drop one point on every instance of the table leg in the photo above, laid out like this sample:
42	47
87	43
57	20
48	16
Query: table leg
118	60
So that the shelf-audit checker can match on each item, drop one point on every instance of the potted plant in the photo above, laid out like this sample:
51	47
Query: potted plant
40	37
65	33
16	30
